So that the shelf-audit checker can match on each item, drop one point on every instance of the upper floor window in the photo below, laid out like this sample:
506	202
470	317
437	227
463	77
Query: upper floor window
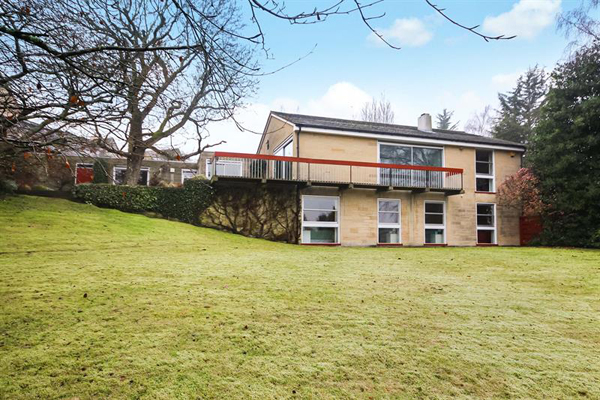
224	168
410	155
484	171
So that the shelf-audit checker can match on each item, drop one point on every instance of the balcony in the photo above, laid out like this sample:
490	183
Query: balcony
225	166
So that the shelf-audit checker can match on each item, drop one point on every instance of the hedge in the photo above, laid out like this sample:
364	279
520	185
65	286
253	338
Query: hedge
185	203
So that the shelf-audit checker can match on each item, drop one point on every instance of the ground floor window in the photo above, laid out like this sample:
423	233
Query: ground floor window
119	176
388	220
188	174
435	222
486	223
320	219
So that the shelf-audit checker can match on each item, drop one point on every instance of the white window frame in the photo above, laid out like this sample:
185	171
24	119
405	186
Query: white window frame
387	224
322	224
486	228
491	176
208	168
120	167
191	170
285	143
400	144
433	226
237	163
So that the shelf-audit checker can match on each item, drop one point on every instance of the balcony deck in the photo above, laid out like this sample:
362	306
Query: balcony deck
242	167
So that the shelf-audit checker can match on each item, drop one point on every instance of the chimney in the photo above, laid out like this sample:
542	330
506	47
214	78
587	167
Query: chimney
425	123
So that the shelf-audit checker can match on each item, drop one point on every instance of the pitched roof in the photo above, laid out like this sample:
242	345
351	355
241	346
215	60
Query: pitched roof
311	121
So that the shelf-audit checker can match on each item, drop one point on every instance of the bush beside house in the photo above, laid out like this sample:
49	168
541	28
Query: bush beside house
183	203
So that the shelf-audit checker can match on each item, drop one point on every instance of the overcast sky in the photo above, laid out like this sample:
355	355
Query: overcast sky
439	65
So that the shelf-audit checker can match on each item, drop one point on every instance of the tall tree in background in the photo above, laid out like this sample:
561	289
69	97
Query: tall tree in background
378	110
565	151
444	120
520	108
579	23
481	123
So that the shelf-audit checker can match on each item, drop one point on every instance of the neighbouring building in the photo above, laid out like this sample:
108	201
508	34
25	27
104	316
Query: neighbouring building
44	166
362	183
155	167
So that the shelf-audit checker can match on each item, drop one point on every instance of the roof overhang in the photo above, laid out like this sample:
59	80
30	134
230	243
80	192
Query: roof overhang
409	139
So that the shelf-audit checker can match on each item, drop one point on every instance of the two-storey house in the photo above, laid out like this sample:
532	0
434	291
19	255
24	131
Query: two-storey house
363	183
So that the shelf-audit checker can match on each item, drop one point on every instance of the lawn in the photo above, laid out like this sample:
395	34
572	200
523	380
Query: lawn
98	303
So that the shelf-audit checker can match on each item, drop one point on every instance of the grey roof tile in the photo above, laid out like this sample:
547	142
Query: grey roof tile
312	121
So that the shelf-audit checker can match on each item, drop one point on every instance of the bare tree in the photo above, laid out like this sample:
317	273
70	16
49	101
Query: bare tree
378	110
138	71
481	123
579	23
160	93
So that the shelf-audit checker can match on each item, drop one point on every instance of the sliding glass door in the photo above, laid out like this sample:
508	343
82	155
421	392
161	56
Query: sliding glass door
410	155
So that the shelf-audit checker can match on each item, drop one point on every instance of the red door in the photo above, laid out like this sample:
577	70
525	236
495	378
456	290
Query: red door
85	173
530	228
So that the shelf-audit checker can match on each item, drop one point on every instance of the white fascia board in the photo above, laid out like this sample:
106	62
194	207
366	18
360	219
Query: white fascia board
408	139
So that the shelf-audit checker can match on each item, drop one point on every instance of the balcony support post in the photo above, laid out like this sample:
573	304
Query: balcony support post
351	182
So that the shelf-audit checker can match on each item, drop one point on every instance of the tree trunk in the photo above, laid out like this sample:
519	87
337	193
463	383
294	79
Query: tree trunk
134	165
136	151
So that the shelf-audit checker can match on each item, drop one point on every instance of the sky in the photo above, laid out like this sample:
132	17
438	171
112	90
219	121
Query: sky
439	65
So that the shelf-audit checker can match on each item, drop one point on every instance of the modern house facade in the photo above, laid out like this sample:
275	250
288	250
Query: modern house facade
364	184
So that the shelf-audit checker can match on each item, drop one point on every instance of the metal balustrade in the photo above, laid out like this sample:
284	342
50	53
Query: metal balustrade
312	171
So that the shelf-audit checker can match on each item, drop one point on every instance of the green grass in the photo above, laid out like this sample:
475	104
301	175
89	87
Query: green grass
176	311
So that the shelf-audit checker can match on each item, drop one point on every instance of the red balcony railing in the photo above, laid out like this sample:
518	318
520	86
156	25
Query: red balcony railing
333	172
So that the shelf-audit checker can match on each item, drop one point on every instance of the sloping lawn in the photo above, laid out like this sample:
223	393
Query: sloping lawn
97	303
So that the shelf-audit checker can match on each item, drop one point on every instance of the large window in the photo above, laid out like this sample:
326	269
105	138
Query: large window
320	219
486	223
388	219
435	222
410	155
224	168
484	171
119	176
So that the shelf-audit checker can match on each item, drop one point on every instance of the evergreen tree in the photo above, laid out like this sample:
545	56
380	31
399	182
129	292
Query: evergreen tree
444	120
565	151
520	108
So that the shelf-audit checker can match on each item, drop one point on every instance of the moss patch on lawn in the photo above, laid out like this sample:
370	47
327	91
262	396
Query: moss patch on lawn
98	303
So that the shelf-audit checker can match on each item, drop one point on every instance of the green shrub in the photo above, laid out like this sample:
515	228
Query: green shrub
100	172
185	203
7	186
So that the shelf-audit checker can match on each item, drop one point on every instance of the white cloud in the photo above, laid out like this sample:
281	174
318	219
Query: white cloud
504	82
406	32
342	100
526	19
